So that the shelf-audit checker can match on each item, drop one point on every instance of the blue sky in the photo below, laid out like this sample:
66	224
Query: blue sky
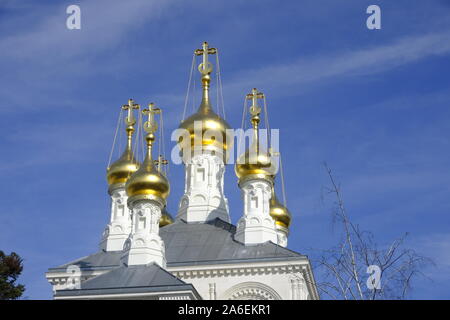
373	104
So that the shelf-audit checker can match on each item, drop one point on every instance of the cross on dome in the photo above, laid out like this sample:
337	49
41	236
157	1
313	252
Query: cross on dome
160	162
150	126
205	67
129	119
254	96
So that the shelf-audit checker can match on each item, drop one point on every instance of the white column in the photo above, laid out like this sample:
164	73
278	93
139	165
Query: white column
299	289
119	227
204	198
302	288
256	225
294	293
144	244
212	291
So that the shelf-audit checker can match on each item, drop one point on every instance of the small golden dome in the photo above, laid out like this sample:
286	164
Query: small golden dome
166	218
147	180
255	163
122	169
279	212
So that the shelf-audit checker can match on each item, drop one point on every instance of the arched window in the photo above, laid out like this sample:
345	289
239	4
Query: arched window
251	291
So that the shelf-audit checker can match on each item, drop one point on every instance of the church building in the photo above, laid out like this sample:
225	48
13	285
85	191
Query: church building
145	253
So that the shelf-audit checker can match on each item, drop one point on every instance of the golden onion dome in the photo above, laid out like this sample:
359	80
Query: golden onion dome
166	218
212	133
279	212
126	165
255	162
148	181
206	128
123	168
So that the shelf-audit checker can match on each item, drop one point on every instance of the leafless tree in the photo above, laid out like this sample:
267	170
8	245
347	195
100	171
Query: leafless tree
344	268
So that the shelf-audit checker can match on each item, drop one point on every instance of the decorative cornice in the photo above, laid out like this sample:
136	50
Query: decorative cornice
237	271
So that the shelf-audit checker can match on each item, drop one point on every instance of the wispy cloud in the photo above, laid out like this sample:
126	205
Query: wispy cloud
311	71
307	72
104	23
41	57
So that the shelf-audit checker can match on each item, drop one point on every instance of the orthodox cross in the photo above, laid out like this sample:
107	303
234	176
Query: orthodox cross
129	119
254	96
205	67
150	126
160	162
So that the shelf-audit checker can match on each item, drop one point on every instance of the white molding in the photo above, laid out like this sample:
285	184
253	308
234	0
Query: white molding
144	244
256	225
202	275
204	199
118	229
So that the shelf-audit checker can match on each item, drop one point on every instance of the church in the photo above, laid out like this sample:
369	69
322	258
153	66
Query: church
147	254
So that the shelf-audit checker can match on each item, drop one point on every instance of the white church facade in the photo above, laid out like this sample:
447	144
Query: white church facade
146	254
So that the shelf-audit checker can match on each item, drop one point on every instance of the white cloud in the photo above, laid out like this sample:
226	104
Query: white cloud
307	72
104	23
312	70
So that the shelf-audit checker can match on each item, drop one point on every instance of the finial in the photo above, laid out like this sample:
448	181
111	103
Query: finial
255	110
205	68
160	162
150	126
130	120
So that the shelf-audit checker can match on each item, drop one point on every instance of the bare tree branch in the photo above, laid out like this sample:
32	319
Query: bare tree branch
344	266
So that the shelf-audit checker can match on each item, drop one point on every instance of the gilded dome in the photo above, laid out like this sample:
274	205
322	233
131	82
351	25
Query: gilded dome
148	181
279	212
122	169
205	121
213	129
255	163
126	165
166	218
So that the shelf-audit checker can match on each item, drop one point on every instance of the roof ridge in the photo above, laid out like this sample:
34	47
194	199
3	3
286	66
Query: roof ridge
171	274
285	248
135	268
222	224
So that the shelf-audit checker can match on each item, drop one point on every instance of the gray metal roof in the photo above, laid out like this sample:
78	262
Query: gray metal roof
98	260
133	276
197	243
213	242
131	279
